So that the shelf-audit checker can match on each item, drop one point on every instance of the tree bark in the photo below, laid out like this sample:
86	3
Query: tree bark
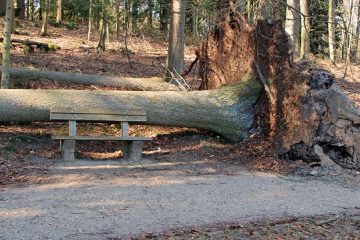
357	34
45	19
150	13
229	111
58	11
332	7
117	18
175	59
292	25
305	29
91	19
5	76
140	84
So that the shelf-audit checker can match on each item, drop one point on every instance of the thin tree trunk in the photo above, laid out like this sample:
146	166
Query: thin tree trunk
13	28
332	48
292	24
357	34
58	11
117	18
5	76
248	10
305	29
32	10
21	9
150	14
45	19
102	31
134	14
175	59
229	111
28	10
90	19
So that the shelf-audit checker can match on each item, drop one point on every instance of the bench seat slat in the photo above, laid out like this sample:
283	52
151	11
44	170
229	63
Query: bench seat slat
128	112
97	117
102	138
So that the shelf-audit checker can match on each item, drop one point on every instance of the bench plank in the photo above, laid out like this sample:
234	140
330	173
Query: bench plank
96	117
102	138
129	112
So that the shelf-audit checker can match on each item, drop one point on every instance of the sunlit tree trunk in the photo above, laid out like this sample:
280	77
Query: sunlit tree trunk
102	32
45	19
292	24
305	29
5	76
175	59
91	19
58	11
331	23
13	27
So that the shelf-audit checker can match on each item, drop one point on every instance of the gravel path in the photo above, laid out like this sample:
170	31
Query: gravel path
102	203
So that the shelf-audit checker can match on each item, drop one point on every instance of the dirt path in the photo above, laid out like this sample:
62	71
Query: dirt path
117	201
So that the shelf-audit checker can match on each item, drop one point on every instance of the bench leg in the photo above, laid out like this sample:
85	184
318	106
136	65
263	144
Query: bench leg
68	150
132	150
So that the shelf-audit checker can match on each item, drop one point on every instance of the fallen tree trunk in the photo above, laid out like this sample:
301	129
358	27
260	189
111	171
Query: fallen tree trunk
229	111
136	84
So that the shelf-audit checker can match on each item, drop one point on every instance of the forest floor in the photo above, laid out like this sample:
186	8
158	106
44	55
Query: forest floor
27	153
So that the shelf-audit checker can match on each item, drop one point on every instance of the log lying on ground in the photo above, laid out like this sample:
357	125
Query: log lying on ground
229	111
30	44
136	84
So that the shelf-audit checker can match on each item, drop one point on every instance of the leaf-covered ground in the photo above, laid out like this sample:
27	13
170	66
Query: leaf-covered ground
341	226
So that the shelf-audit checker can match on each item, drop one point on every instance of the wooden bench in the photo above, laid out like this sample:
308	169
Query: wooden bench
132	146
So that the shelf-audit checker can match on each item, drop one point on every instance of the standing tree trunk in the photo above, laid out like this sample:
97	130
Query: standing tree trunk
164	16
305	29
175	58
45	19
117	18
134	14
32	9
21	9
90	19
5	76
58	11
357	34
150	14
13	27
292	25
332	40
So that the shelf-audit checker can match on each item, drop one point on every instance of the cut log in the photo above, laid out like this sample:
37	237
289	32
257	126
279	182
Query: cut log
229	111
136	84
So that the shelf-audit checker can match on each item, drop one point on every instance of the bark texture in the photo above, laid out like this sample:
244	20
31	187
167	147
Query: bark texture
139	84
305	29
292	24
5	76
331	26
175	60
229	111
